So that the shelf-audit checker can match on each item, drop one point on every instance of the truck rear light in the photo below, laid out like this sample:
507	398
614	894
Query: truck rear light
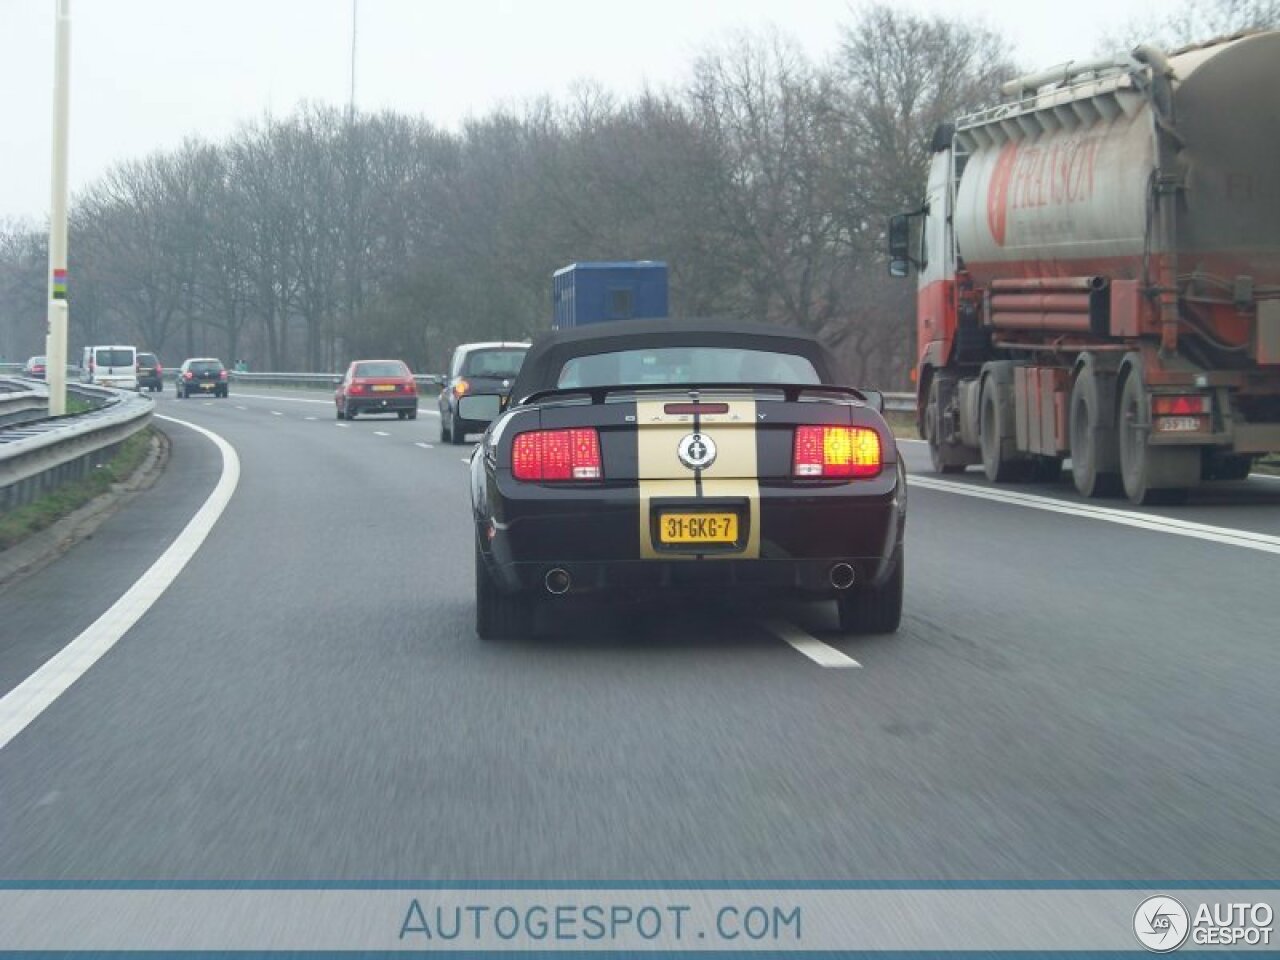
557	455
1180	406
823	452
460	388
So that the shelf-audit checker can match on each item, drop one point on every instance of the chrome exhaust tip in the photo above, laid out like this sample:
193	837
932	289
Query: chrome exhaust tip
841	576
557	582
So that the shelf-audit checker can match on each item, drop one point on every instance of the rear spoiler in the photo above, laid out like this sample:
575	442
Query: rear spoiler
790	391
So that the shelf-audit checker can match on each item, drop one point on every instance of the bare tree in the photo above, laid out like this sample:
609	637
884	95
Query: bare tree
1194	21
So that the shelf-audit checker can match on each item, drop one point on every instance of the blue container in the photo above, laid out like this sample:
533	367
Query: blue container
583	293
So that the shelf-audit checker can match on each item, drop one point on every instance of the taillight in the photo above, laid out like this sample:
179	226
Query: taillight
188	375
1186	406
356	388
557	455
460	388
410	386
836	452
222	374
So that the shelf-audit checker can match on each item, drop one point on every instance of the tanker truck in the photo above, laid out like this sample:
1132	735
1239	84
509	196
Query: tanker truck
1098	274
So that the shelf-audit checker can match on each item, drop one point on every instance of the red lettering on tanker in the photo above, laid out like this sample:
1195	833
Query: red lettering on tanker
998	193
1060	173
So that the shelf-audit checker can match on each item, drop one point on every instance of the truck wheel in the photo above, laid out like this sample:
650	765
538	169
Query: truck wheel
499	616
1094	456
1151	474
874	609
997	463
933	431
456	436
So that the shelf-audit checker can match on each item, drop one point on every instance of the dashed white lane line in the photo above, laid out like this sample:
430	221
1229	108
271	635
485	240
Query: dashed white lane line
276	413
238	407
308	418
425	446
342	425
1262	542
29	699
381	433
820	653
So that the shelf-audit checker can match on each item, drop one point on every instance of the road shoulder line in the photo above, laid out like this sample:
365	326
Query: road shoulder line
21	705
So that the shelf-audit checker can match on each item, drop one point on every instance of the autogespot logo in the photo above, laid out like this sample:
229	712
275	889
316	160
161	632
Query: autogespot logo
1161	924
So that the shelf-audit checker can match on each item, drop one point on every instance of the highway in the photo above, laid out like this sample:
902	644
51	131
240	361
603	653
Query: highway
1069	698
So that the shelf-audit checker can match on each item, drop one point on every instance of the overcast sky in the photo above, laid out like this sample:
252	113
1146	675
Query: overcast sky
146	73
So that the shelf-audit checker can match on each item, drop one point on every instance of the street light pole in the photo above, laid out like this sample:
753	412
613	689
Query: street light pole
56	336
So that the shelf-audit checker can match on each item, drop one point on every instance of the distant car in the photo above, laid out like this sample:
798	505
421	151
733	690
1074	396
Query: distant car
476	368
651	456
377	386
201	375
150	373
35	367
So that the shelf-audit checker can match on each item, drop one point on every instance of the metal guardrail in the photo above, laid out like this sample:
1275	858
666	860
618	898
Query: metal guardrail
900	402
313	381
316	381
38	456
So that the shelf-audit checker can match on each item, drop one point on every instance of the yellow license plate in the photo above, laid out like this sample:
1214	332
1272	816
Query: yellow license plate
698	528
384	388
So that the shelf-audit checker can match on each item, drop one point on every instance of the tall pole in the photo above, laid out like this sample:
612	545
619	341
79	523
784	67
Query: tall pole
56	337
351	105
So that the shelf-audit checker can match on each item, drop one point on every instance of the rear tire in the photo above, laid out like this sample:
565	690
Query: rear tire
351	412
997	463
499	615
1151	474
874	609
1092	436
456	436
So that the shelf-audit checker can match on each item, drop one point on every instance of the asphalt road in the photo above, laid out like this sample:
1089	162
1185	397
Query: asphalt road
1068	698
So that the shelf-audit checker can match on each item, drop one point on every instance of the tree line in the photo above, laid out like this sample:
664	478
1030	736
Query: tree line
302	242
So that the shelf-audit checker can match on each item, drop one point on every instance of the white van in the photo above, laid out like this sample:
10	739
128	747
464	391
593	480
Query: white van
110	366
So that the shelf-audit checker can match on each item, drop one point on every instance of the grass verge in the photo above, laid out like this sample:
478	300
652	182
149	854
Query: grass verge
53	506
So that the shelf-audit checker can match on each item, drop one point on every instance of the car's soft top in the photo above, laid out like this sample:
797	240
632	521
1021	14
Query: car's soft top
550	351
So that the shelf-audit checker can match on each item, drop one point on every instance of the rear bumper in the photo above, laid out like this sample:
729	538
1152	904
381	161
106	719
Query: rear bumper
596	539
382	404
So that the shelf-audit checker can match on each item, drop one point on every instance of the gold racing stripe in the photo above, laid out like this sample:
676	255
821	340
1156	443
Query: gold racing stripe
733	474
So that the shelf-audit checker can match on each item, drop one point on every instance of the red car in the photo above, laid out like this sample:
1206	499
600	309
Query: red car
377	386
35	367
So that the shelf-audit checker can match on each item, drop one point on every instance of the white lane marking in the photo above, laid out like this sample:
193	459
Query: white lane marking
29	699
238	407
342	425
381	433
308	418
1266	543
1264	476
820	653
466	459
276	413
426	446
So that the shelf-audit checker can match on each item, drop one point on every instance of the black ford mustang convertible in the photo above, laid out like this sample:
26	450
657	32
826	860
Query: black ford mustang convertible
656	455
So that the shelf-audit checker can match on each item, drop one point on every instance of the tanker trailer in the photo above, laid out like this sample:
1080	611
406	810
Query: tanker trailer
1098	264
